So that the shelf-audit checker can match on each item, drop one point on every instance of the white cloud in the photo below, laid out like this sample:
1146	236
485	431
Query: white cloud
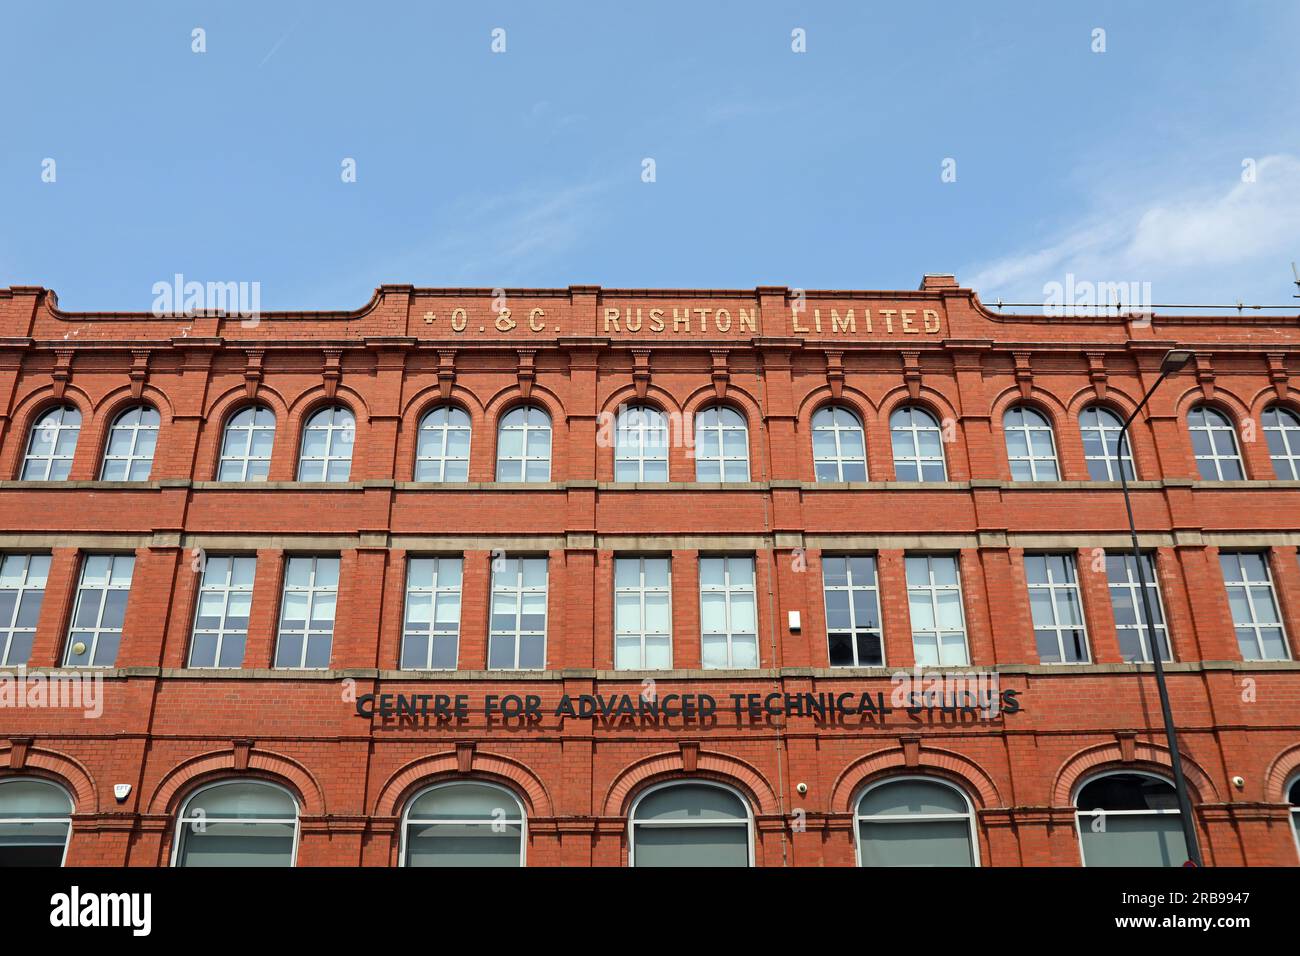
1211	244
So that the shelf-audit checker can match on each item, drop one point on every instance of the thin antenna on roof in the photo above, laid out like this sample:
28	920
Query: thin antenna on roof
1297	281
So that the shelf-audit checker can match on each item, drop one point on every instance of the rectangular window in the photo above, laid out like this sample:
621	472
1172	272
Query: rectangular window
934	602
1057	609
311	587
221	618
1126	600
517	639
1254	606
432	632
100	610
22	587
642	614
728	623
852	611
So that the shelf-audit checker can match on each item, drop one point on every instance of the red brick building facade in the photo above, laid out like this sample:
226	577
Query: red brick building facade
772	356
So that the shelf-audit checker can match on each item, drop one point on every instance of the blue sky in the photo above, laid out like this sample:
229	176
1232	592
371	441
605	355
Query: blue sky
819	169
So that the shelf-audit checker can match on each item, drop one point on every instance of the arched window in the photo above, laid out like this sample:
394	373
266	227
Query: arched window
51	444
690	824
1030	446
442	448
839	452
463	824
35	820
918	445
721	445
327	445
1293	797
1130	819
1100	428
641	444
1214	442
524	445
131	442
1282	432
237	823
246	445
915	821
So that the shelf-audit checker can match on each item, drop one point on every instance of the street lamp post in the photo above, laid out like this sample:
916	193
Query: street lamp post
1174	360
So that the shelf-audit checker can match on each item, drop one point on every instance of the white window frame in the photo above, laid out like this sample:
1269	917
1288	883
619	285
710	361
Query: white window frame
436	593
247	460
182	819
1210	428
641	590
1036	463
641	438
136	429
336	434
311	590
1287	428
1106	424
915	430
1131	586
722	429
225	590
67	839
1092	778
57	428
522	821
1295	809
840	458
1053	588
518	589
10	627
850	587
728	591
968	816
1246	585
632	822
932	589
443	430
526	430
98	630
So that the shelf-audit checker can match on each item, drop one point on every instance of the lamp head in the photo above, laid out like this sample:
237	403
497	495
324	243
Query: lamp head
1175	359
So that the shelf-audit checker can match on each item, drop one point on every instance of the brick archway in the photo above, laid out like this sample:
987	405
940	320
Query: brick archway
684	763
1112	756
231	763
1282	769
52	764
464	765
942	763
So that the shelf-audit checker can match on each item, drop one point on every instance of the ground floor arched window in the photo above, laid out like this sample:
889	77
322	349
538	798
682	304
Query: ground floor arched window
237	823
690	824
35	820
1293	796
1130	819
463	824
915	821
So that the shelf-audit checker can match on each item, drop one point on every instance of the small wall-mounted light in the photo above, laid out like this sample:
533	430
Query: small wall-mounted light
794	620
1239	782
